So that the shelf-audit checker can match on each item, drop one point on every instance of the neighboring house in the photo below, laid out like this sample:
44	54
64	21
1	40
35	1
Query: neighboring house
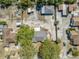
74	22
74	37
60	7
66	8
47	10
72	7
9	36
39	36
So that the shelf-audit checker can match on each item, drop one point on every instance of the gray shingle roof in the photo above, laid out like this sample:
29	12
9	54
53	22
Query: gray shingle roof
39	36
47	10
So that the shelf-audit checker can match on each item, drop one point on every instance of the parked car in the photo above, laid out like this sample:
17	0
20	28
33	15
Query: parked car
30	10
18	23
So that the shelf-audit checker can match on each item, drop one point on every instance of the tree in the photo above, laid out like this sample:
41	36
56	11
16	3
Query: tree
43	2
23	5
7	3
70	1
27	50
25	32
75	52
3	23
49	50
24	38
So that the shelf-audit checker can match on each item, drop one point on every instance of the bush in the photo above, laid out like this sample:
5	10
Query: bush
75	52
49	50
71	29
3	23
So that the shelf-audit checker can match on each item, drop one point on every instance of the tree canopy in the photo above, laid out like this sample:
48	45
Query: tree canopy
7	2
50	2
23	4
49	50
70	1
25	32
27	50
24	38
3	23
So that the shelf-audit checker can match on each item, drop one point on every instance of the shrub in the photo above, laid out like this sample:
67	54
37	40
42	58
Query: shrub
75	52
3	23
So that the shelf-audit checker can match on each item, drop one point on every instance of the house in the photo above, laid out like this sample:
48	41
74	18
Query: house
60	7
74	22
74	37
39	36
8	36
47	10
72	7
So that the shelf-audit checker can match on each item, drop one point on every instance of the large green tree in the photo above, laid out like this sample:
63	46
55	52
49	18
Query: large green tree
24	38
27	50
25	32
70	1
49	50
7	3
41	2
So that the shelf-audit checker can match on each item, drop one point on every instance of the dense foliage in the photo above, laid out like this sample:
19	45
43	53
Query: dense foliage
25	32
27	50
70	1
75	52
7	3
49	50
23	4
3	23
24	38
50	2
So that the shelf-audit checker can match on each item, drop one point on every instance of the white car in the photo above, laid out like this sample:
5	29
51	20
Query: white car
30	10
18	23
